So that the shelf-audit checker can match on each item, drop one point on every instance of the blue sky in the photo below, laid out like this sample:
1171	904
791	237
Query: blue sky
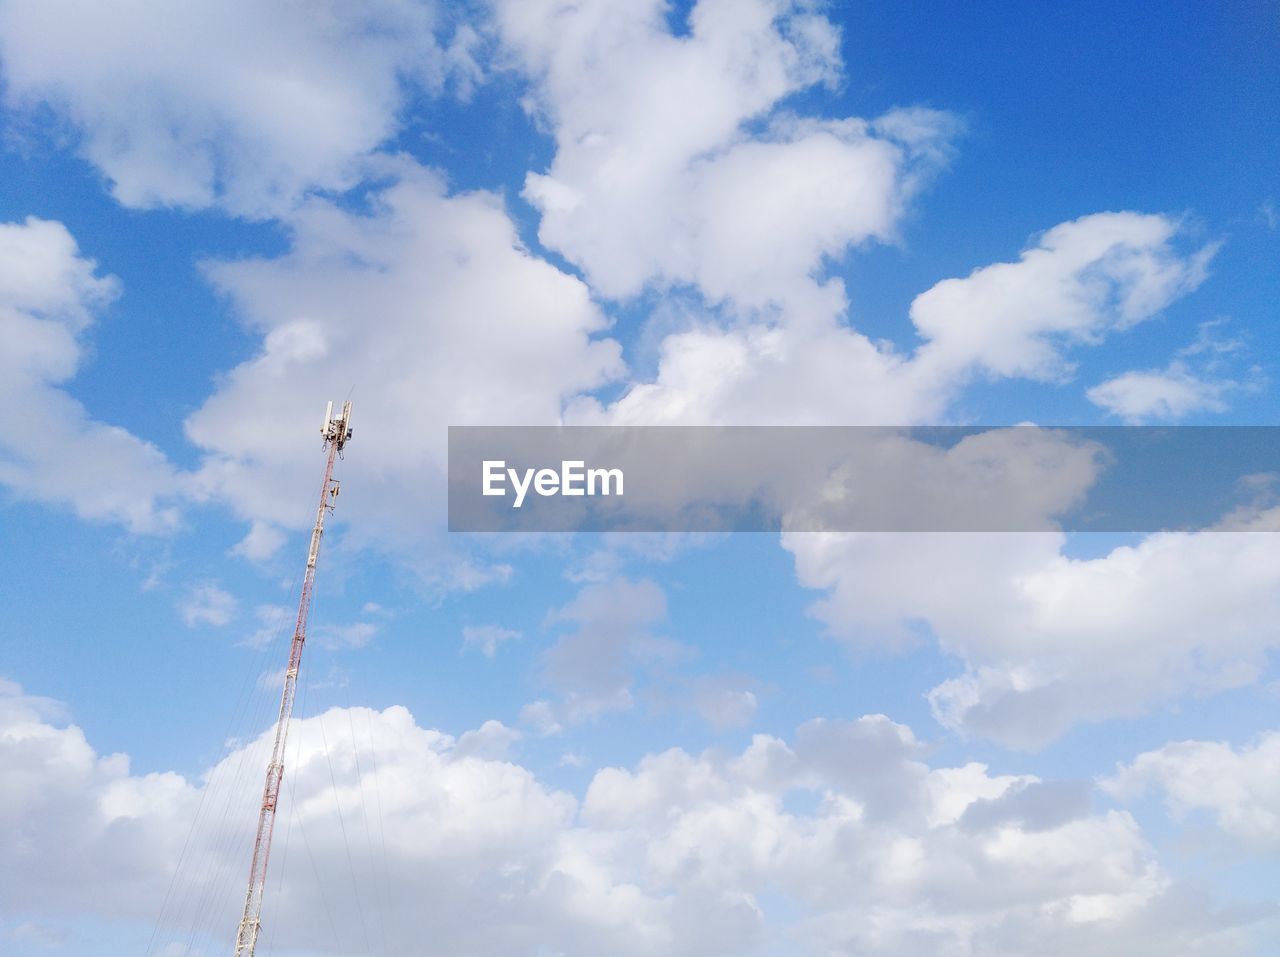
735	212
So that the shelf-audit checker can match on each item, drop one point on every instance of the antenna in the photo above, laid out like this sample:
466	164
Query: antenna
336	432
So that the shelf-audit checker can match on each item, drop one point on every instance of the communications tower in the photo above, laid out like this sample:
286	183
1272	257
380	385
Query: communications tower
336	432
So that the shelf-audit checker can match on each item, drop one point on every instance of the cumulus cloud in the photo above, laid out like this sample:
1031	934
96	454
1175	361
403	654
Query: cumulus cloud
87	835
764	374
425	309
1047	640
678	165
51	449
458	323
1238	786
1082	281
844	838
491	740
428	310
645	122
428	306
245	104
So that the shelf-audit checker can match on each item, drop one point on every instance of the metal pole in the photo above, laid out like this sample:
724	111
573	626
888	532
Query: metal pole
336	432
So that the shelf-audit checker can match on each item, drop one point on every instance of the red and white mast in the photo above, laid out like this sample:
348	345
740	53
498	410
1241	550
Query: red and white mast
337	432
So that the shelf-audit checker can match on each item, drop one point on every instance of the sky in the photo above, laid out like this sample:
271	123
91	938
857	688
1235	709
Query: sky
217	216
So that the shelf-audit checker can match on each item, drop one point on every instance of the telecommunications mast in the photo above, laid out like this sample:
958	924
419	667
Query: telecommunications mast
337	432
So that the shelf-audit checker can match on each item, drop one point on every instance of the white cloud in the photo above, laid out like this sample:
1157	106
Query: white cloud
1159	394
207	604
1082	280
105	843
486	638
427	311
1240	787
541	717
658	174
764	374
676	166
51	450
681	854
1049	641
492	740
261	542
457	323
94	849
247	104
1198	379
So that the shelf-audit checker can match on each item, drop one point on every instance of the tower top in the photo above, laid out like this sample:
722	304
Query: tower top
337	428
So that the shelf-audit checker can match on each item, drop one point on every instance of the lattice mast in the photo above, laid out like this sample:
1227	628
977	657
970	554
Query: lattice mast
337	432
